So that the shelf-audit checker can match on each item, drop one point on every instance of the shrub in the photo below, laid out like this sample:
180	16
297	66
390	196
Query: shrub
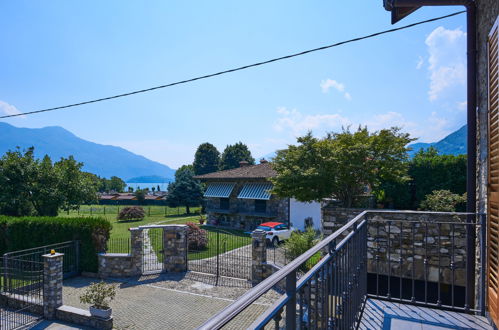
131	213
442	201
19	233
99	295
197	238
299	243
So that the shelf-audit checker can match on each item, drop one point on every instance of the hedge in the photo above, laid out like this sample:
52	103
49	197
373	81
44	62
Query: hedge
18	233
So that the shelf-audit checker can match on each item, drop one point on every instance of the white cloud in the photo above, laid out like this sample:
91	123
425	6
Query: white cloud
462	105
297	123
327	84
9	109
446	62
420	63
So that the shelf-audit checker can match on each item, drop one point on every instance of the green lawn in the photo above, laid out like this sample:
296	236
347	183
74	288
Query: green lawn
228	239
154	215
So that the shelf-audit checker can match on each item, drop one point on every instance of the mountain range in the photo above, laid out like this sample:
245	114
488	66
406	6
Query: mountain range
452	144
102	160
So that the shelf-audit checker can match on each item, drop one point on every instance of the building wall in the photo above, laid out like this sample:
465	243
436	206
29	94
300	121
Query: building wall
241	213
487	12
299	211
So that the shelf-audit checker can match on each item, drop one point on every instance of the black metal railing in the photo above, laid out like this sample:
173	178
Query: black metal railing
71	250
21	292
422	262
118	245
414	258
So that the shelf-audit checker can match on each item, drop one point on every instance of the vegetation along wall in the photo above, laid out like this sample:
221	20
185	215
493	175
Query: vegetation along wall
18	233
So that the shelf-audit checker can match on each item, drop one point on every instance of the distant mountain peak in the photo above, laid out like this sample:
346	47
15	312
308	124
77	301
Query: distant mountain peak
103	160
452	144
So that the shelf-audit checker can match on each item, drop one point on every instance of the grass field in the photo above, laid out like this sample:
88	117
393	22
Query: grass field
154	215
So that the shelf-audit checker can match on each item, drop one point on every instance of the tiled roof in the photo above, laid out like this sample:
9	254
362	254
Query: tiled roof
259	171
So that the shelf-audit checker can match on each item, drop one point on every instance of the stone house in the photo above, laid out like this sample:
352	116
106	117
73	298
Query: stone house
242	198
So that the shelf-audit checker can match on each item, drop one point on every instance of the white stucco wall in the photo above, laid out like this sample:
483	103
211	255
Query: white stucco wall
299	211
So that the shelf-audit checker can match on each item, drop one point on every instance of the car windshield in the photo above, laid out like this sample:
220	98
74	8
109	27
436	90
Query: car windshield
266	228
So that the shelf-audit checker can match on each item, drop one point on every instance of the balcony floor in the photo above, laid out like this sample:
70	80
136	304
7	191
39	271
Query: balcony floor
379	314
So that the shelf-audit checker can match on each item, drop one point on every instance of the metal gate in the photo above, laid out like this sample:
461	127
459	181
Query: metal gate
21	293
153	253
227	253
71	250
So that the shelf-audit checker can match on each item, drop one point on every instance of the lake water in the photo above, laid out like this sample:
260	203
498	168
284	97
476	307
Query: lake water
142	185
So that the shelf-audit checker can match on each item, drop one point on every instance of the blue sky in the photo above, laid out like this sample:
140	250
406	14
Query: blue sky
59	52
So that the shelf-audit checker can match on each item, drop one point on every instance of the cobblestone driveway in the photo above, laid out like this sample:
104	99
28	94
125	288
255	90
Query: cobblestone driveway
166	301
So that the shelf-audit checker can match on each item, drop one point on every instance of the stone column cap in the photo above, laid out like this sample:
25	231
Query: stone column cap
57	254
258	233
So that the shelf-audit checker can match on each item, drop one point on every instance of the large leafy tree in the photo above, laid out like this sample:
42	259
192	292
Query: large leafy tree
233	154
341	165
29	186
428	171
18	172
206	159
185	190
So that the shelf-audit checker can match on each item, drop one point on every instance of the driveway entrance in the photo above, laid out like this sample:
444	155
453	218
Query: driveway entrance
168	301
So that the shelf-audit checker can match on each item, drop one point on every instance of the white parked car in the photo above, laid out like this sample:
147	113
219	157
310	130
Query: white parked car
276	231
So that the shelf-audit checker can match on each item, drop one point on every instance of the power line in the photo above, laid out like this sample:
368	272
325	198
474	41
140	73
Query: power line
238	68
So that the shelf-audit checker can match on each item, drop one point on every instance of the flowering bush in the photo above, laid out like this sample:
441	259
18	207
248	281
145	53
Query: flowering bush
197	238
99	295
132	213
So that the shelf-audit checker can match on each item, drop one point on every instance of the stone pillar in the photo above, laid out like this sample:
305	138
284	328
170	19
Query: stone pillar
52	284
137	250
175	247
259	256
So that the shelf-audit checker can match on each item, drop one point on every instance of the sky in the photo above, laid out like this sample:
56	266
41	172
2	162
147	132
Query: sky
60	52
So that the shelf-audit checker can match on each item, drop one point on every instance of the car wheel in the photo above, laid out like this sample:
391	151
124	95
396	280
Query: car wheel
275	241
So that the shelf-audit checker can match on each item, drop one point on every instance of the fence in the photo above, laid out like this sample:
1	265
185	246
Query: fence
118	245
21	292
412	257
114	210
71	250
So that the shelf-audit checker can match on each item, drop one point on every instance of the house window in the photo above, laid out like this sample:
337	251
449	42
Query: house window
224	203
260	205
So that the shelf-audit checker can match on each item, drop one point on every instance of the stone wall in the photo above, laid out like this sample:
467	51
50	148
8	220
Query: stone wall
116	265
403	243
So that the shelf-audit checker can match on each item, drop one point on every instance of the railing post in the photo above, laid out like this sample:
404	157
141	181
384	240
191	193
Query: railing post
77	253
291	304
52	284
470	261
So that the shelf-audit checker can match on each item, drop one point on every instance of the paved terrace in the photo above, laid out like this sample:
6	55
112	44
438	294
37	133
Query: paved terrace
379	314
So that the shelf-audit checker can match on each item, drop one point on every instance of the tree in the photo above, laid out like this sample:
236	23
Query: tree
17	174
116	184
140	194
341	165
428	171
233	154
29	186
76	186
185	190
206	159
